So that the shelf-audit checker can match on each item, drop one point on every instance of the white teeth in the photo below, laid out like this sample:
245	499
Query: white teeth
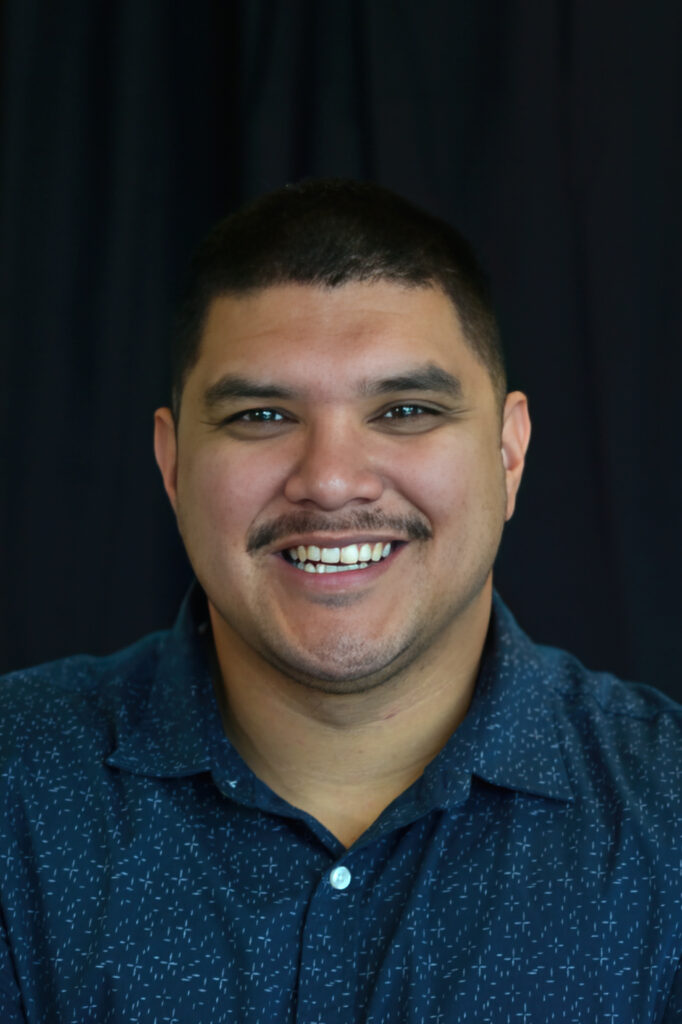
349	555
320	568
352	556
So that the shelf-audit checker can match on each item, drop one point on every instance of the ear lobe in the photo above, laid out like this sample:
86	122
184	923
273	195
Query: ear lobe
166	451
515	440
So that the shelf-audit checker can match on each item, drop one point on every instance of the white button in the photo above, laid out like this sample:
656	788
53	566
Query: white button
340	877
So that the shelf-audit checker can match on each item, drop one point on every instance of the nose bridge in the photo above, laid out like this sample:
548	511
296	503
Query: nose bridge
334	465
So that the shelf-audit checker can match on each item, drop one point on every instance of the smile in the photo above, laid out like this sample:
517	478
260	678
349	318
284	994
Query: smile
318	560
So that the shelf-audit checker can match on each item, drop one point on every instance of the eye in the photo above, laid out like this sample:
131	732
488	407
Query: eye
256	416
408	411
253	423
409	418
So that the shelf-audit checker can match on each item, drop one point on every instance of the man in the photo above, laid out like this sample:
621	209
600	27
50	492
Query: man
345	787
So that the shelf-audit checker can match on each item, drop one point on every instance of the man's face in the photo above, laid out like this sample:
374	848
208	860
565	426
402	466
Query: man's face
325	418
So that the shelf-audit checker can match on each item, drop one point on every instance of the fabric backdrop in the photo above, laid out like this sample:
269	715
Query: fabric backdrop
548	131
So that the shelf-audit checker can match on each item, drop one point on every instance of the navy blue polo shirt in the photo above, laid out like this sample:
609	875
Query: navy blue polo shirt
532	874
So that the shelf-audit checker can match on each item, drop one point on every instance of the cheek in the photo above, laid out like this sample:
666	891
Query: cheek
448	482
221	495
463	496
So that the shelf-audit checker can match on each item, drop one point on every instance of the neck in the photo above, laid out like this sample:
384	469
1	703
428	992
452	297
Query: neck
344	757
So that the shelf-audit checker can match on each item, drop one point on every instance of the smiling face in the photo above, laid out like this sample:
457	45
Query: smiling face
318	427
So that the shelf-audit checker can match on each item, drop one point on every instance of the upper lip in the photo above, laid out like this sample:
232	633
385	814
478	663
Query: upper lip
326	540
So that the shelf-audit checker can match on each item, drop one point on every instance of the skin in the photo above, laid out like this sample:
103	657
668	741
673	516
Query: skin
338	690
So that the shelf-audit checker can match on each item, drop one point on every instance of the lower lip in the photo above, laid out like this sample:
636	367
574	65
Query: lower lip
332	581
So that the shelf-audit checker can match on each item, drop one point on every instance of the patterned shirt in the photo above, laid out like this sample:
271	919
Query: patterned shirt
533	873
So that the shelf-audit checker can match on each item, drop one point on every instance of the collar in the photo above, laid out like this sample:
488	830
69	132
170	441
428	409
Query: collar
178	726
509	737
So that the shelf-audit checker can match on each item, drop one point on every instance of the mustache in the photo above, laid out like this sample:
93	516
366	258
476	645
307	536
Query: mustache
412	527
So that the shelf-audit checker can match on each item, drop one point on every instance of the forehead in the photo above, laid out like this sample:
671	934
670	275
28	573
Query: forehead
335	335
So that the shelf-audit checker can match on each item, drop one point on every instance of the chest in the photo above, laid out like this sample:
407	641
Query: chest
196	908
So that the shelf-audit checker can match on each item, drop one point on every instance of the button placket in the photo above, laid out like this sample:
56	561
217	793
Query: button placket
327	979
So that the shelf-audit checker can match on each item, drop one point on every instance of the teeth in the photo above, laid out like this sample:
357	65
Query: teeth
353	556
320	567
349	555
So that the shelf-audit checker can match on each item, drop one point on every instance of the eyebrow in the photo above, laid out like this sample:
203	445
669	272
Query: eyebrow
421	378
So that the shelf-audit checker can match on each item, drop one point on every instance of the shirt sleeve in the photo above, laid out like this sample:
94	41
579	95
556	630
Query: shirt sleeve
673	1008
11	1009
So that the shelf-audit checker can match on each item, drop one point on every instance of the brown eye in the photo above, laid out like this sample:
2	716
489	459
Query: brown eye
260	416
256	416
404	412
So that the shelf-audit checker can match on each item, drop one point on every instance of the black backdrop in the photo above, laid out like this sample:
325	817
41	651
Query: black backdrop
547	130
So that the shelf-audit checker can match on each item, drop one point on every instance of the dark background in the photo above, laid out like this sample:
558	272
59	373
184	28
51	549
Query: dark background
549	132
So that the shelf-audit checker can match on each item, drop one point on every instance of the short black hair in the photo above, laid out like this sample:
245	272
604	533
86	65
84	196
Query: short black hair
328	232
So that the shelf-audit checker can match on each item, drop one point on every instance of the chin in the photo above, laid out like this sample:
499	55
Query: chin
342	668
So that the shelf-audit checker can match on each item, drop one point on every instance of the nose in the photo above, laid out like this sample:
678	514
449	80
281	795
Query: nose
334	468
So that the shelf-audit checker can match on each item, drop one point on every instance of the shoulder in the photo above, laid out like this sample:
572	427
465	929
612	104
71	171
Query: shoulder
622	738
620	742
604	695
64	704
597	704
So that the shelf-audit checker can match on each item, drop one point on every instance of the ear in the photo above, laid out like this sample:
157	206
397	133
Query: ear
515	438
166	451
